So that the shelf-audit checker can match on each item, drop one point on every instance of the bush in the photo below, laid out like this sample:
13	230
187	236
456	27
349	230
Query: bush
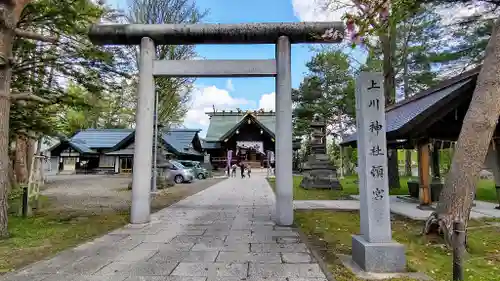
16	192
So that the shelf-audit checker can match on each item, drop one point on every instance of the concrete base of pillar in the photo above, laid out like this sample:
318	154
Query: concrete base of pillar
283	213
349	263
378	257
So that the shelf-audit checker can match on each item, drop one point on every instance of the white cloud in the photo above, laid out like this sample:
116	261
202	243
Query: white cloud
321	10
268	101
327	10
229	85
204	99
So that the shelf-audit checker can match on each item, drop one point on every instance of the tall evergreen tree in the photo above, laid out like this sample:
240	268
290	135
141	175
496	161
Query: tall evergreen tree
44	46
327	90
173	93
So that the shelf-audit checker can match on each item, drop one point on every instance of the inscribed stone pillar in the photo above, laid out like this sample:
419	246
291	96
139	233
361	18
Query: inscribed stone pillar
374	250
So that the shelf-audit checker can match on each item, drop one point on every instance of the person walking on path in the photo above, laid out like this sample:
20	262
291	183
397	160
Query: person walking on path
249	170
233	170
242	169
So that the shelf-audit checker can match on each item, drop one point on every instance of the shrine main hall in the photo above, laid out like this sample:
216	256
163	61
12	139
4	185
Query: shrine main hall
250	135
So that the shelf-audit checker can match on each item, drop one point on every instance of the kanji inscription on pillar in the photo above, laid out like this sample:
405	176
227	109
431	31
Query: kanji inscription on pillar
372	151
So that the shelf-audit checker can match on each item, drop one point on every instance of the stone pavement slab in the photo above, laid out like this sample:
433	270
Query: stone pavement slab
223	233
398	206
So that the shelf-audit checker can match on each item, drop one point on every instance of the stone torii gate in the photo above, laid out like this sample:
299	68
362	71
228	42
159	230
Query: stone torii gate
280	34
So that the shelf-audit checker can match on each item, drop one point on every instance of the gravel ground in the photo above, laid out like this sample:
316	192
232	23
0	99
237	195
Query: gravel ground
102	193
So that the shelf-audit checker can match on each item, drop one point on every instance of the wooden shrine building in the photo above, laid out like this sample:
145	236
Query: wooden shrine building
112	150
429	121
248	134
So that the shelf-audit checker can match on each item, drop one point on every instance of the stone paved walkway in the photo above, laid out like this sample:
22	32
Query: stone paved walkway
223	233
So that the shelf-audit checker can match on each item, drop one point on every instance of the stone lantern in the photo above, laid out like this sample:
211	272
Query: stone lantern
318	170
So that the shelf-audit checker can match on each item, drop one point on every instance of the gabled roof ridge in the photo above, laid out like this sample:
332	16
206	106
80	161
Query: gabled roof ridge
78	141
109	129
182	130
240	122
240	113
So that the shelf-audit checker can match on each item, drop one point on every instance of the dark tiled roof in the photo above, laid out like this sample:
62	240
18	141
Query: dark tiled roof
78	145
211	144
181	139
129	150
102	138
81	146
220	124
125	151
191	151
178	139
400	114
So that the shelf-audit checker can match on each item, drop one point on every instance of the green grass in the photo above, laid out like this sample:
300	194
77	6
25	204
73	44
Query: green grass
349	185
485	190
49	232
330	233
35	238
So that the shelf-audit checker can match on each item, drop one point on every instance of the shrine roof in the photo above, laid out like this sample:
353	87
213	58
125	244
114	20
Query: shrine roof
102	138
181	139
222	122
113	141
401	118
81	146
210	144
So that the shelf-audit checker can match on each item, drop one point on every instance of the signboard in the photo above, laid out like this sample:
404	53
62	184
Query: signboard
70	154
254	145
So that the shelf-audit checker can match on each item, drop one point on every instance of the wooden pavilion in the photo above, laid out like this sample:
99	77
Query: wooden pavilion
429	121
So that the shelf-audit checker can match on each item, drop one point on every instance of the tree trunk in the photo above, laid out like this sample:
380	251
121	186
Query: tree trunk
21	163
388	71
408	166
12	176
388	43
406	91
6	38
42	161
475	136
9	13
30	154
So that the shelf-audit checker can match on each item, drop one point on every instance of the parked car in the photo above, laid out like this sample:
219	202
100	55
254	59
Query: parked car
198	170
179	172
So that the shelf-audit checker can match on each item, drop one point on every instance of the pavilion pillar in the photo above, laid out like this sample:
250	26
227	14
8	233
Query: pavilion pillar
143	153
493	162
424	176
284	177
436	174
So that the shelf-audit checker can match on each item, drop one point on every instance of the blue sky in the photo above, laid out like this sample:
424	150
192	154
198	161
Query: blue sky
246	93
